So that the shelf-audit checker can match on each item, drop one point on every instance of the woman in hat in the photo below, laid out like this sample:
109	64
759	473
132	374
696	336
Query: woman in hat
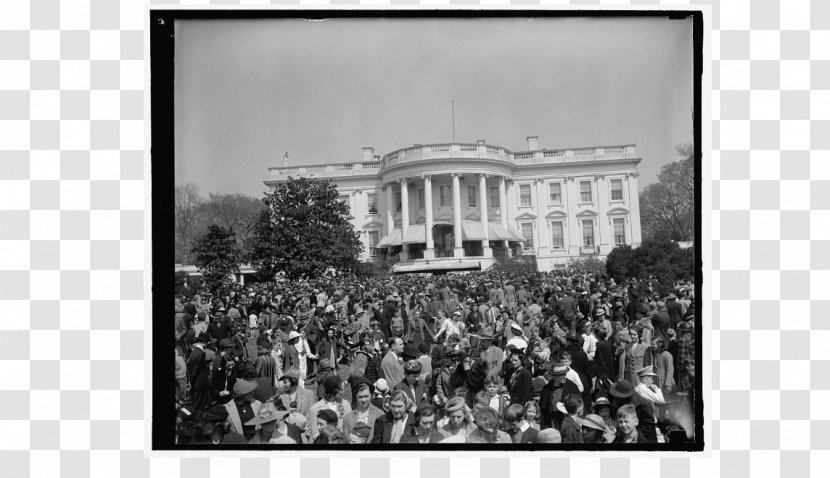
274	430
417	330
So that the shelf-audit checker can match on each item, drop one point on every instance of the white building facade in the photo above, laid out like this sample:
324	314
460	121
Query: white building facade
462	206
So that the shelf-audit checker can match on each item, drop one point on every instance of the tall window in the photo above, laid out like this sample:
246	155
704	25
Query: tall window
494	197
619	231
616	190
585	191
557	235
420	199
527	233
372	198
524	195
397	202
587	233
446	196
556	193
374	237
471	196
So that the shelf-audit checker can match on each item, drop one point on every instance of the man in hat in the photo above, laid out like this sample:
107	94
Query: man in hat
330	401
224	371
412	385
593	428
622	393
274	429
265	365
214	427
360	434
364	411
558	386
197	370
392	363
290	354
243	408
296	399
648	390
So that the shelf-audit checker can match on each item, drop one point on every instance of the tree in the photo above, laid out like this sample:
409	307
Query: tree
234	211
187	212
667	206
591	265
304	230
663	259
217	256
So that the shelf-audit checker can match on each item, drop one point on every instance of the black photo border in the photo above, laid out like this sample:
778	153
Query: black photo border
162	47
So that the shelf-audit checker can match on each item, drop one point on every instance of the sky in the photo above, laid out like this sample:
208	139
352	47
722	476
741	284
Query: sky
247	91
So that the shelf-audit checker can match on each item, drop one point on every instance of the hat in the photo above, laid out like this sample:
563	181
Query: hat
243	387
423	347
558	368
293	335
267	413
536	386
549	435
561	407
600	311
329	309
661	305
361	429
381	385
672	296
646	371
470	301
455	404
410	351
297	419
324	364
205	338
601	402
516	326
291	374
216	413
252	317
622	389
412	366
354	382
331	383
683	326
328	415
591	421
201	316
224	343
450	351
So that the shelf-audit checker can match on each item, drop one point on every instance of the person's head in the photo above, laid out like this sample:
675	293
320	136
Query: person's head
359	434
481	399
425	417
531	411
659	344
330	333
549	435
456	412
332	387
398	404
566	358
492	386
627	419
602	407
513	417
487	420
329	435
396	345
635	335
326	417
593	427
363	396
573	404
517	358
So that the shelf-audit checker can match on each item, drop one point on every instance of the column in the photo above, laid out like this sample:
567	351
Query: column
543	245
456	215
605	230
482	198
404	217
429	253
634	208
575	228
503	212
390	209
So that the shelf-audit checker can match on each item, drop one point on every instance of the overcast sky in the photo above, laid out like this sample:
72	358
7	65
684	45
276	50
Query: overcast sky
248	91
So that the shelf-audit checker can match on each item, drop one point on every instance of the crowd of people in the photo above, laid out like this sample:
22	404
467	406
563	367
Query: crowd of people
486	357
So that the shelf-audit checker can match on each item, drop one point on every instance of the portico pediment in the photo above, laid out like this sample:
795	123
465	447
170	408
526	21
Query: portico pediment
556	215
618	210
526	216
372	224
587	212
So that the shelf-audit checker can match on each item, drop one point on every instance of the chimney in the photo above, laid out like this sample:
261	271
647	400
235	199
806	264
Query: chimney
480	141
368	154
532	143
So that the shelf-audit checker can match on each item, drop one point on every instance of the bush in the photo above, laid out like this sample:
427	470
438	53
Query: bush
663	259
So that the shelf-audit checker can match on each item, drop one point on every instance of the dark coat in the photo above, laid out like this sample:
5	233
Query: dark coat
570	431
520	386
382	430
197	369
419	391
604	361
528	436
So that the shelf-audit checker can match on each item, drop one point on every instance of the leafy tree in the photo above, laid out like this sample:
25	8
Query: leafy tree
667	206
234	211
217	256
304	230
663	259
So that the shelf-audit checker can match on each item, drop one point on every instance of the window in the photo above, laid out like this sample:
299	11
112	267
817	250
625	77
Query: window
527	233
374	237
373	203
446	196
420	199
616	190
494	197
471	196
585	191
587	233
524	195
619	231
555	193
397	202
557	235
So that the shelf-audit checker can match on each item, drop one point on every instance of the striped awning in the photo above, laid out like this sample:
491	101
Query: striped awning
499	233
472	231
393	239
415	234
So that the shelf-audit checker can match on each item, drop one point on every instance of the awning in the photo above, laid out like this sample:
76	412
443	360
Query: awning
499	233
472	231
393	239
415	234
437	266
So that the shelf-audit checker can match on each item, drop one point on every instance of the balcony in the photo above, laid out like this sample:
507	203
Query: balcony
326	171
445	151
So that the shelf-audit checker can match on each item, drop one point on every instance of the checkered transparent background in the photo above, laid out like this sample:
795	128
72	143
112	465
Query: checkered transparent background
72	254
